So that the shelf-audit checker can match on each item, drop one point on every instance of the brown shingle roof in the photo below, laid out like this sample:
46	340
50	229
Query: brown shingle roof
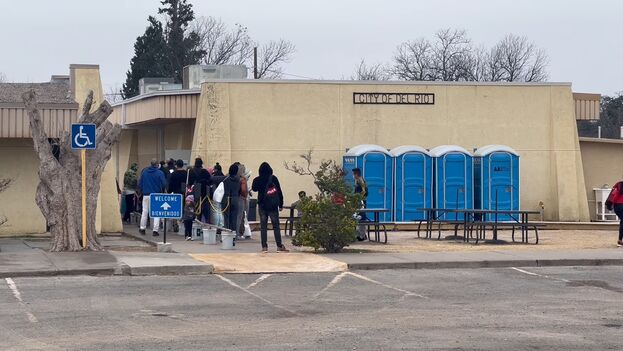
47	93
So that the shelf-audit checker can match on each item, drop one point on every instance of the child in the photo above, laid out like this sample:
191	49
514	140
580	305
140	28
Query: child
189	216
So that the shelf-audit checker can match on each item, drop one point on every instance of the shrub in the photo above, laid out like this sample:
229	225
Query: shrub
327	217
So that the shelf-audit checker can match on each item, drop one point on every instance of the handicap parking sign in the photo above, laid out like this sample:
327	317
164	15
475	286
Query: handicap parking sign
83	136
165	206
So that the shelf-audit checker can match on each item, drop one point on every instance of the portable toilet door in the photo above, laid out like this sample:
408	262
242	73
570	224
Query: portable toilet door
375	163
497	178
454	180
413	179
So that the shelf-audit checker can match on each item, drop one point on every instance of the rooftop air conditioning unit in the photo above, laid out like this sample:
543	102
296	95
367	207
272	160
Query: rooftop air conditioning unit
149	85
196	74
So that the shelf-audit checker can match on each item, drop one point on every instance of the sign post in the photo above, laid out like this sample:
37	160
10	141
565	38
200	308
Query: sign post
165	206
83	139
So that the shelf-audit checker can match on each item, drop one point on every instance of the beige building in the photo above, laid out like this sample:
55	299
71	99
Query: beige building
252	121
59	101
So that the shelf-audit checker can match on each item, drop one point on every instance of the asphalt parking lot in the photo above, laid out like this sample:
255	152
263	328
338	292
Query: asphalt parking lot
570	308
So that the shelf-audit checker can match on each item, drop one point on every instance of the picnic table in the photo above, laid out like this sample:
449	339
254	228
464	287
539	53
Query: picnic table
481	219
375	224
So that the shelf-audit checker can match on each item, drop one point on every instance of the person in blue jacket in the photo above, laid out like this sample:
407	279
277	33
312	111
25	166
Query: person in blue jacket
152	180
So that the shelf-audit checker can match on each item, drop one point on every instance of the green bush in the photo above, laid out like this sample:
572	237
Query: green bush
327	217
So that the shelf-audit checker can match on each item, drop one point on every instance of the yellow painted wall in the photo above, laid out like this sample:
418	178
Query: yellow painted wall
603	164
108	219
255	121
17	203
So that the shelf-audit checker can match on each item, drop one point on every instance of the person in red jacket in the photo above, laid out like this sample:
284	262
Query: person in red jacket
615	201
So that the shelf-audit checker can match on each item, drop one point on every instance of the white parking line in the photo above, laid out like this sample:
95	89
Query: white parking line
18	296
339	277
406	292
540	275
256	295
258	280
334	281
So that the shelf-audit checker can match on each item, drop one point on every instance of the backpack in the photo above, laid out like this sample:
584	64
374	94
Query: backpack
271	197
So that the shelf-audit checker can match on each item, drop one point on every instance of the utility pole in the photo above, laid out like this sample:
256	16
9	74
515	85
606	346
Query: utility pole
255	62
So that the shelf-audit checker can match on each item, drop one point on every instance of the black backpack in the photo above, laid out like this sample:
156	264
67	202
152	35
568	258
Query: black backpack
271	196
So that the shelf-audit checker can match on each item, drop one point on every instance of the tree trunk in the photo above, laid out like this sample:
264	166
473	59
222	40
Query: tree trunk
59	191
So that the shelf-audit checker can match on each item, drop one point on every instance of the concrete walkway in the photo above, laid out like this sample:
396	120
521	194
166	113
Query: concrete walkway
247	259
127	256
28	257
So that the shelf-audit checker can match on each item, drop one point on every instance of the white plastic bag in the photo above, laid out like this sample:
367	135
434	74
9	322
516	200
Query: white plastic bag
247	227
219	193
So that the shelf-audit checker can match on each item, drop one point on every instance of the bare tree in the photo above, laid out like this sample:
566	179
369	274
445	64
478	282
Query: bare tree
222	44
271	56
4	185
234	46
451	57
520	60
57	196
113	95
375	71
450	53
413	61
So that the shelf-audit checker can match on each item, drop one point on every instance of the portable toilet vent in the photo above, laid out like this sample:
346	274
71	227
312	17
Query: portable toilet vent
496	174
453	180
375	163
413	182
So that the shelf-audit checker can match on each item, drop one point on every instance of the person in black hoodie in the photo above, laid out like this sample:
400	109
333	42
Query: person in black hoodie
231	185
199	178
270	202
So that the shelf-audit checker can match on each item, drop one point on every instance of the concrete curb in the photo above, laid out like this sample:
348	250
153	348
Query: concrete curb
122	269
171	270
486	264
55	273
140	238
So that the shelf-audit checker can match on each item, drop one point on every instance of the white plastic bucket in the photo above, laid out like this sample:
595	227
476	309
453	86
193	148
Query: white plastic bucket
196	232
228	241
209	236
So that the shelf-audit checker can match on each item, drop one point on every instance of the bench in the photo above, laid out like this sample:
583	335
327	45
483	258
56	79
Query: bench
525	228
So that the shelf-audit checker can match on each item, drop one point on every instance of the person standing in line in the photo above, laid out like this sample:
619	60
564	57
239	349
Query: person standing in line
152	181
176	184
270	202
129	191
189	216
615	202
177	180
243	199
230	203
361	187
199	178
218	170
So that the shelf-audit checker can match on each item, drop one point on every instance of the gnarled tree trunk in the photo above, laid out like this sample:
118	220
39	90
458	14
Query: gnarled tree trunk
59	191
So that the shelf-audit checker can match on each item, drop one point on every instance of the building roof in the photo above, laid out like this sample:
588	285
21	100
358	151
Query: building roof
47	93
384	82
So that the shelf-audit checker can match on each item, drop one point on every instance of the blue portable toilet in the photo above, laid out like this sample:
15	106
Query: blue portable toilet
413	182
453	169
375	163
496	177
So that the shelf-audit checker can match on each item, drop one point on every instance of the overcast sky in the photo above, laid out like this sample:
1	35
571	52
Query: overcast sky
582	38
